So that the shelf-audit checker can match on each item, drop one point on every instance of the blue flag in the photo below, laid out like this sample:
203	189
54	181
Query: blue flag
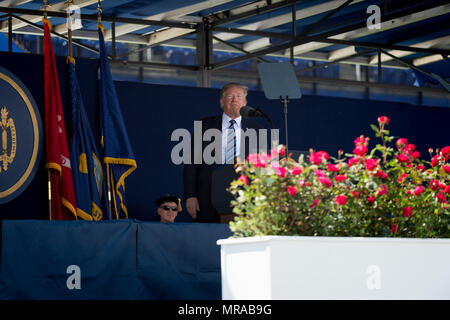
86	166
117	152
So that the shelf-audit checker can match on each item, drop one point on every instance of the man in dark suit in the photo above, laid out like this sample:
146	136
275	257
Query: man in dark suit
198	177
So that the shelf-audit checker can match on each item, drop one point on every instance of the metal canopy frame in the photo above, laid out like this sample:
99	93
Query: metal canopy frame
212	35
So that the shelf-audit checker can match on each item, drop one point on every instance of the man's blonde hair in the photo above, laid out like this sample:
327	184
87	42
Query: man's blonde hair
231	85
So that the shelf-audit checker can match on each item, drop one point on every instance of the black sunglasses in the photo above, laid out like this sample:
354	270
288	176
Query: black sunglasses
168	208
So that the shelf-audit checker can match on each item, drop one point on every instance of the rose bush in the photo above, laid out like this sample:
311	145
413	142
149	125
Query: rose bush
386	191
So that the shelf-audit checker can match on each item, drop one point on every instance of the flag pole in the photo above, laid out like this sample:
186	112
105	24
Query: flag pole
68	3
49	180
108	167
49	195
108	185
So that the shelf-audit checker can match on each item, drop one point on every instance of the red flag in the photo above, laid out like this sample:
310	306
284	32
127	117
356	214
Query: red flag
63	201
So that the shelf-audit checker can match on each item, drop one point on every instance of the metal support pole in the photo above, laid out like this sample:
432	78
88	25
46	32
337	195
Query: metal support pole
141	70
113	39
294	30
204	54
314	70
379	66
10	32
367	89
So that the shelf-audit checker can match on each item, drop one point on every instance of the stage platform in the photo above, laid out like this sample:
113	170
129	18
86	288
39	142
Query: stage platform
124	259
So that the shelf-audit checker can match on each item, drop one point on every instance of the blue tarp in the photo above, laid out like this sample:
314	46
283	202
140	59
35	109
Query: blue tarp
181	260
4	44
440	68
122	259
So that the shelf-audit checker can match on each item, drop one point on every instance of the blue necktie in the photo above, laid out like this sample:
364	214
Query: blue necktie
231	143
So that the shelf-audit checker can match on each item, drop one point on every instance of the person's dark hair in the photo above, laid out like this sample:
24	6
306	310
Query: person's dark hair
231	85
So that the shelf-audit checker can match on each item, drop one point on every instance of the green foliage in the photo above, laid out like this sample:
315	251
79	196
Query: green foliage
387	192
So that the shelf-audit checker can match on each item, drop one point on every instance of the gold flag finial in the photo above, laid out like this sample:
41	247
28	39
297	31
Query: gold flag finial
99	12
68	4
45	7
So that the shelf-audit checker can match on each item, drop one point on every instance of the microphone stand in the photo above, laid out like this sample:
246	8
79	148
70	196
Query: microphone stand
285	101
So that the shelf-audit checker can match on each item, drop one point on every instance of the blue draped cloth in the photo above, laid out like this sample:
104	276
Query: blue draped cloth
122	259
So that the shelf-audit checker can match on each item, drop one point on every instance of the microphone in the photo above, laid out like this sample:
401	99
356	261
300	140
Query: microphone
249	112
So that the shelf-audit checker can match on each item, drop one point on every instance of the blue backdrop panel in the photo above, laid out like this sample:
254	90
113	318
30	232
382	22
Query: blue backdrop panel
36	254
152	112
181	260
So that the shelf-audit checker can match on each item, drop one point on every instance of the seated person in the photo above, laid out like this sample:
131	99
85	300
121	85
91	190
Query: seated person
168	208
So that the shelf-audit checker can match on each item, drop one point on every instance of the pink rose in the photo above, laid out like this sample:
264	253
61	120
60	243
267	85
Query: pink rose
371	199
415	154
252	158
382	190
402	177
401	143
421	168
418	190
447	189
441	197
381	174
340	177
315	202
394	228
244	180
446	169
332	167
352	161
407	212
341	200
325	181
446	153
383	120
360	150
292	191
258	161
319	173
281	172
296	170
275	153
403	158
274	165
434	184
371	164
318	157
435	160
410	148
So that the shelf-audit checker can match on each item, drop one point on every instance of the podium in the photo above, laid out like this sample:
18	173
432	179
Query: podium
220	197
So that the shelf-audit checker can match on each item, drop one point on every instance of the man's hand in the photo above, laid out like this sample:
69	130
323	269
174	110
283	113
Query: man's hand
192	206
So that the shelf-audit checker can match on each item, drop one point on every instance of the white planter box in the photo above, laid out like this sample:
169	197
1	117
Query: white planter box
278	267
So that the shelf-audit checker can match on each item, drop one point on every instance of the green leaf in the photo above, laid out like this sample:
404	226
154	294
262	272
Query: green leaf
375	128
